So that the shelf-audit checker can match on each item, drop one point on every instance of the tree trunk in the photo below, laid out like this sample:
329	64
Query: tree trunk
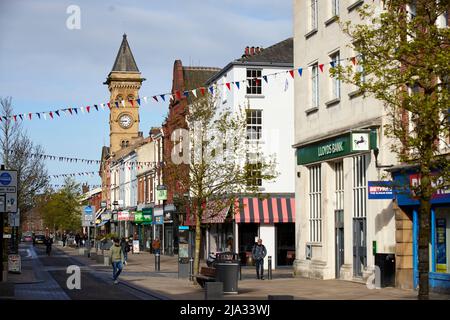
198	237
424	236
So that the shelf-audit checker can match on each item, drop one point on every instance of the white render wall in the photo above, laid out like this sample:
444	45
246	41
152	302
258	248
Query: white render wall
348	113
277	107
267	234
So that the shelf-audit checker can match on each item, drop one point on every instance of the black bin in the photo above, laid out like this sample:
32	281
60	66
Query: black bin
386	263
227	271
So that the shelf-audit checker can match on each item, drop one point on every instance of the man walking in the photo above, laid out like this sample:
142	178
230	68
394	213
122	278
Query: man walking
117	258
259	252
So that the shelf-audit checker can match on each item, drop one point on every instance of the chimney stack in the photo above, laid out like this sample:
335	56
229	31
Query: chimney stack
247	52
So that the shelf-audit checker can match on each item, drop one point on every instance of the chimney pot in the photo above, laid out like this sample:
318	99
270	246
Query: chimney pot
247	51
252	51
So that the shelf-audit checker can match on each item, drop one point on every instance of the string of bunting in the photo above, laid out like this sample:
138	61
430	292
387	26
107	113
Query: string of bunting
72	111
92	173
91	186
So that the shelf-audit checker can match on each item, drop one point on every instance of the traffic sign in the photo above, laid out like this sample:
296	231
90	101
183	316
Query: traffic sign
8	188
88	209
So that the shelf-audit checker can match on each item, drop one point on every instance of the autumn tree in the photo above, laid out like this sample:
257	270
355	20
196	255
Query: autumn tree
403	60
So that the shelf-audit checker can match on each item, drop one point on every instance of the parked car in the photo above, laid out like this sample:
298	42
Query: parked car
71	241
27	238
39	239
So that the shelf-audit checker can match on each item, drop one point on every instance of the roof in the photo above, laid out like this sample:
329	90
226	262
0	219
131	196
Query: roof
195	77
125	60
280	54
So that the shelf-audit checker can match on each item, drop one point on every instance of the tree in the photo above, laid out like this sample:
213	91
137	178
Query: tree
404	61
16	151
216	154
62	210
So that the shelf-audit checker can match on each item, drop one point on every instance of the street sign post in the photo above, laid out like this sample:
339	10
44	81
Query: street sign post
8	203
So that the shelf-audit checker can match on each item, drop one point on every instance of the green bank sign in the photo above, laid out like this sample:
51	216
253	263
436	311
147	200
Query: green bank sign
340	146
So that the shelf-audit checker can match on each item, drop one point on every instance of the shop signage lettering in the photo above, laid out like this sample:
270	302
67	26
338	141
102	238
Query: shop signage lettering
414	181
441	253
380	190
330	148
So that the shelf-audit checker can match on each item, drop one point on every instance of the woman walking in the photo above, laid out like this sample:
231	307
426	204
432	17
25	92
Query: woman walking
117	259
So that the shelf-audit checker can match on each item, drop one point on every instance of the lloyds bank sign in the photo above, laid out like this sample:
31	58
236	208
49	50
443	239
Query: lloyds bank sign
343	145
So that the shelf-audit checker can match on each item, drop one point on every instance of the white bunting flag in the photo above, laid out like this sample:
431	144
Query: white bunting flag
145	99
123	103
102	105
194	92
82	109
43	113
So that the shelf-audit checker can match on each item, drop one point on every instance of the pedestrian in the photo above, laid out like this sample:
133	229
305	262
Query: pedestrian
125	249
48	245
117	259
156	245
77	239
259	252
64	239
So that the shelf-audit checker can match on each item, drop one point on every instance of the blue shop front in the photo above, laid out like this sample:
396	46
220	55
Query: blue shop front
440	229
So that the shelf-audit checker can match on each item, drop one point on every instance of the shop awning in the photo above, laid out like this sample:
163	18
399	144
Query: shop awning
268	210
102	223
216	212
99	213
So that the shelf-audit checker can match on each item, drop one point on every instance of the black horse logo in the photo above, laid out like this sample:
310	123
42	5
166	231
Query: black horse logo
361	140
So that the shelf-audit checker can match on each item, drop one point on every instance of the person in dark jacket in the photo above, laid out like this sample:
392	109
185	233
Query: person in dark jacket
259	252
125	249
48	244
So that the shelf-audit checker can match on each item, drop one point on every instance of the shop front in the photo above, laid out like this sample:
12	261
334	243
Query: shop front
439	272
143	222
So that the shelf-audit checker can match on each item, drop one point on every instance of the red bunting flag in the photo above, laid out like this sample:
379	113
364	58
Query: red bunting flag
29	115
178	94
51	114
257	81
88	108
109	105
15	118
132	104
353	60
321	67
228	85
70	110
292	73
202	90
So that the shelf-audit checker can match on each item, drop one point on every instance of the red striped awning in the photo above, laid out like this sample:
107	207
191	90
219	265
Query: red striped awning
214	213
268	210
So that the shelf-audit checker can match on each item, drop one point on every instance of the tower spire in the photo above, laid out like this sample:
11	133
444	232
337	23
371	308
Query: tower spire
124	60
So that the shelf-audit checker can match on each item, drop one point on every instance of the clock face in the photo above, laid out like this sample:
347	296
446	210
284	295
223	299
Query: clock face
125	121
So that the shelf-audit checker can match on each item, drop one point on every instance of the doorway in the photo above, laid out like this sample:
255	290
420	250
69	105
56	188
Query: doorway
247	234
359	246
285	243
339	232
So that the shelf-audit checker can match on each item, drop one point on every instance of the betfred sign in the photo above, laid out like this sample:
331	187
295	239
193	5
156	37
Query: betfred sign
380	190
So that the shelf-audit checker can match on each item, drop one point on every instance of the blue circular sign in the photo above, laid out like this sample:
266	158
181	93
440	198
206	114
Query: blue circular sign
88	209
5	178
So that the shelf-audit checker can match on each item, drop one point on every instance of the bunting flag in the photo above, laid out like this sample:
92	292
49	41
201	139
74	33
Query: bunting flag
186	94
138	101
70	110
57	113
156	98
353	60
211	89
96	107
15	118
300	71
321	67
265	79
123	103
202	90
170	97
257	82
228	85
76	111
21	117
82	110
332	64
29	115
109	105
145	99
132	104
51	114
88	108
292	73
43	113
237	84
194	92
39	115
163	97
178	95
117	104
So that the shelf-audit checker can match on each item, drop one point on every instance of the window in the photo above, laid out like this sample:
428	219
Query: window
360	68
254	81
359	186
339	185
336	86
254	124
315	86
254	172
315	205
314	14
334	8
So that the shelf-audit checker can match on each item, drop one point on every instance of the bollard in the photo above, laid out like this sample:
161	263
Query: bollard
157	261
191	269
269	267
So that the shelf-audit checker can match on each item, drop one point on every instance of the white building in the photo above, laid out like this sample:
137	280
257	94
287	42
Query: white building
338	135
269	99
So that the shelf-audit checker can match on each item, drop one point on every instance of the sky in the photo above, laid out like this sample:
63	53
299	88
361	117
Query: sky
46	66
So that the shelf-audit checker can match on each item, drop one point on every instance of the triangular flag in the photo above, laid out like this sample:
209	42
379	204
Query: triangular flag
76	111
353	60
43	113
321	67
156	98
186	94
300	70
21	117
117	104
237	84
265	79
178	95
39	115
109	105
145	99
228	85
96	107
70	110
292	73
163	97
82	109
57	112
15	118
29	116
123	103
194	92
132	103
211	89
170	97
51	114
88	108
332	64
202	90
138	101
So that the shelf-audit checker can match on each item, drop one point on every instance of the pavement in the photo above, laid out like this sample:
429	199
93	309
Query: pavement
44	278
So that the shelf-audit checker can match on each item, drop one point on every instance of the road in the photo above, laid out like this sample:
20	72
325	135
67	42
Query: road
51	276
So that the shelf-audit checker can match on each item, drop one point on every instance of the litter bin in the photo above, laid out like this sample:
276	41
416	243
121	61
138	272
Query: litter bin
227	271
386	263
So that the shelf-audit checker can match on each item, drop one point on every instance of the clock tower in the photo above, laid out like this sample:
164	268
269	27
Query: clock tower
124	82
